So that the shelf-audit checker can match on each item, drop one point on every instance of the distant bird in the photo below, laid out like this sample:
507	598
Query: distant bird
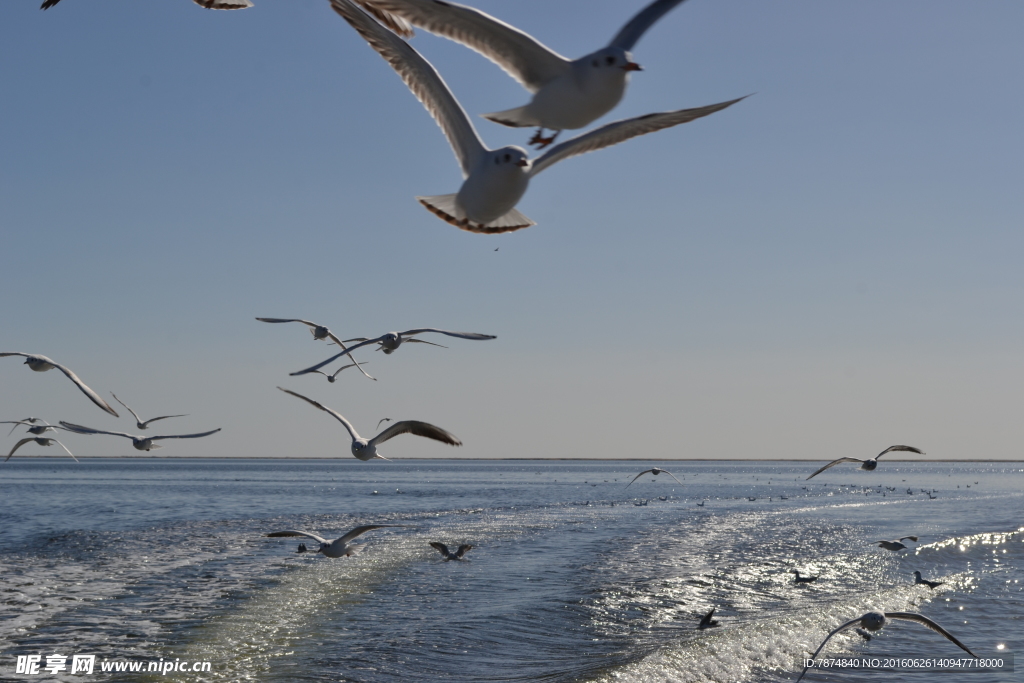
448	555
700	504
707	621
39	363
895	545
42	442
382	420
302	548
390	342
925	582
655	471
874	621
320	332
868	465
26	421
495	180
138	420
334	377
567	94
141	443
366	449
339	547
32	428
802	579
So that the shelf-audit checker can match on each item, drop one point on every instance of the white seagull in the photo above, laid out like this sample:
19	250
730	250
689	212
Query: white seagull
366	449
868	465
27	420
495	180
321	332
32	427
567	94
42	364
895	545
339	547
390	342
138	420
655	471
447	554
334	377
874	621
141	443
42	442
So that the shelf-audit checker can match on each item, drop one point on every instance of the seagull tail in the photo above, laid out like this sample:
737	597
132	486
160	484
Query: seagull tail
513	118
443	206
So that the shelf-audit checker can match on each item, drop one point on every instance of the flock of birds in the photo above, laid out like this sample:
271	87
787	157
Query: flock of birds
567	94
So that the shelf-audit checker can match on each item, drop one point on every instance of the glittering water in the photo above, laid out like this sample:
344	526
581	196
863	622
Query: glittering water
569	579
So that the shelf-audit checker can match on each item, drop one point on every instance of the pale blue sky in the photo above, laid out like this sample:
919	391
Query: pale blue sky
827	268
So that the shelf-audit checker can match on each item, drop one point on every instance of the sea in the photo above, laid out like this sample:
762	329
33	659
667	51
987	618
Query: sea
574	575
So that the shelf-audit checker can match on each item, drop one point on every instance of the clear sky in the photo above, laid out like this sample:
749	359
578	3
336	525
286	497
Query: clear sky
832	266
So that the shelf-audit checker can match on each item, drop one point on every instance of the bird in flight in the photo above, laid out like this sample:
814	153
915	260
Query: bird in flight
320	332
655	471
39	363
897	544
141	443
339	547
138	420
870	464
447	554
42	441
918	580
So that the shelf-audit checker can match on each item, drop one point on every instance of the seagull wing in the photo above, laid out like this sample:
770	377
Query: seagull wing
706	621
65	450
360	530
287	320
899	448
440	547
422	79
673	476
520	55
137	418
162	417
79	429
182	436
620	131
921	619
421	341
628	36
345	367
383	419
341	345
833	464
338	416
912	538
638	476
395	23
852	622
417	428
346	352
279	534
93	396
463	549
19	445
460	335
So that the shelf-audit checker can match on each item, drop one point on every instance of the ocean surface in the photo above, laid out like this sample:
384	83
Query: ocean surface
572	576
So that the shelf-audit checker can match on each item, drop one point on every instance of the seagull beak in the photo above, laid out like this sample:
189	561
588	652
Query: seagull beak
632	66
523	163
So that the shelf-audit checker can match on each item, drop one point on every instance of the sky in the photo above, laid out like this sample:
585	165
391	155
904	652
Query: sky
825	269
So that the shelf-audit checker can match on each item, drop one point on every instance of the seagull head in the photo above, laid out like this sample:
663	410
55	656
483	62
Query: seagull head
611	60
872	621
511	157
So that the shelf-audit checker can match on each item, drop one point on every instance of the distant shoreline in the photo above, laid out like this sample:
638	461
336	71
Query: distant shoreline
264	457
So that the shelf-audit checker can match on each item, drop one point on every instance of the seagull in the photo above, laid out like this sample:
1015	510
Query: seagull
707	621
495	180
42	442
567	94
390	342
366	449
868	465
302	548
895	545
320	332
339	547
925	582
141	443
333	378
27	420
448	555
655	471
874	621
138	420
802	579
42	364
32	428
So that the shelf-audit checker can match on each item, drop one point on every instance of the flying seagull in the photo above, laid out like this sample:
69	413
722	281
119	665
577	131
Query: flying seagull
27	420
868	465
32	427
448	555
42	442
339	547
567	94
655	471
320	332
334	377
42	364
925	582
895	545
802	579
366	449
138	420
390	342
874	621
707	621
141	443
495	180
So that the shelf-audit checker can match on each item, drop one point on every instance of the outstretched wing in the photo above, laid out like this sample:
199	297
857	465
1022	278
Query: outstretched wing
419	429
671	475
833	464
287	320
346	352
162	417
338	416
279	534
638	476
899	448
93	396
137	418
440	547
183	436
423	80
19	445
912	538
341	345
463	549
360	530
852	622
79	429
460	335
629	34
422	341
706	621
520	55
620	131
65	450
921	619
